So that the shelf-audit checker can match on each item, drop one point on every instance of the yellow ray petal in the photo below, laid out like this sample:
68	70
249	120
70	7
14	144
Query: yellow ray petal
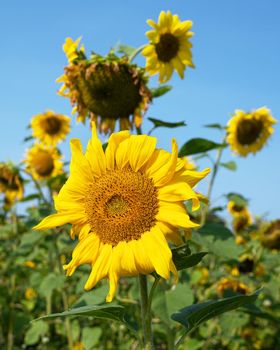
58	219
140	149
95	154
101	267
113	143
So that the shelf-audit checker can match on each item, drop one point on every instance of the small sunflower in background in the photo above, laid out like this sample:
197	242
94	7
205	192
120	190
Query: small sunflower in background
30	293
169	47
248	132
124	205
232	285
236	209
270	235
11	183
107	89
43	162
50	127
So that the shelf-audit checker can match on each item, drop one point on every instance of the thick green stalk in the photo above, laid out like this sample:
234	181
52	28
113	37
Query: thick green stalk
145	314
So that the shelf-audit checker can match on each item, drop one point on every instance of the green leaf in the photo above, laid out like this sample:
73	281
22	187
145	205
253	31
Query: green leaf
32	336
229	165
126	49
30	238
198	145
30	197
51	282
160	91
178	297
90	337
237	198
183	258
192	316
28	138
107	311
157	123
214	126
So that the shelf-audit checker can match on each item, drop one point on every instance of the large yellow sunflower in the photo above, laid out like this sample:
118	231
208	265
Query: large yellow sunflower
11	183
50	127
43	162
248	132
124	204
169	48
107	89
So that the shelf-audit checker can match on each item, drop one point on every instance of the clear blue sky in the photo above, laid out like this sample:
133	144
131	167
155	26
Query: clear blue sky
236	53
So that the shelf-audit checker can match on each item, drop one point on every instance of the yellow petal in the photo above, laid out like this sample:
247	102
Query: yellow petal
58	219
113	143
101	267
140	149
95	154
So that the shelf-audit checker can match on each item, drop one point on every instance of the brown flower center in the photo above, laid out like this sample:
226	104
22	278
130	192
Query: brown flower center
121	206
52	125
167	47
248	131
43	163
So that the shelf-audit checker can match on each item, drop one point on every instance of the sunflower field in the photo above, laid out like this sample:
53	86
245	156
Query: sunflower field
139	239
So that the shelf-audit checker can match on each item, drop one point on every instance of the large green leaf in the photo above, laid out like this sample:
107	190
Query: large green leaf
183	258
198	145
157	123
237	198
192	316
32	336
161	90
108	311
51	282
90	337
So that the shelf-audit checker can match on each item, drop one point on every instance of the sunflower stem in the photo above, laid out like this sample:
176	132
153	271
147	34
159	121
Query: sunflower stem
212	180
146	314
136	52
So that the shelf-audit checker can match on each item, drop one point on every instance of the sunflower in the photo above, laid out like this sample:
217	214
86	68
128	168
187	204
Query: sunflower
107	89
169	47
11	183
241	222
50	127
248	132
232	285
43	162
30	293
270	235
236	209
124	204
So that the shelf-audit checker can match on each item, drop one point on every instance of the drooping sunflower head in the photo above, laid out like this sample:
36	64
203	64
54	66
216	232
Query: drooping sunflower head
43	162
232	285
50	127
236	209
107	89
248	132
169	47
270	235
124	205
11	183
241	222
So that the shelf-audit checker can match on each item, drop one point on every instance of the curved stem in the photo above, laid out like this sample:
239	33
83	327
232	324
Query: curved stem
136	52
37	187
145	313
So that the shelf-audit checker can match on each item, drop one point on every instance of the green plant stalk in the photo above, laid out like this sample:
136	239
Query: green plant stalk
145	314
136	52
67	323
212	180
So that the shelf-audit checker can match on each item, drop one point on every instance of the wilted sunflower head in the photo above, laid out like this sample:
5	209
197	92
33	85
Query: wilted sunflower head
241	222
50	127
248	132
11	183
107	89
169	47
232	285
43	162
124	204
246	264
270	236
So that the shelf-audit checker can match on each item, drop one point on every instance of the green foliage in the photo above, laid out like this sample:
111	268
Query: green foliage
198	145
35	332
160	123
229	165
192	316
160	90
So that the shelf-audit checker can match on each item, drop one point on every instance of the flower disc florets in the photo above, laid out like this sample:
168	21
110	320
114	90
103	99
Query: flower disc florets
107	89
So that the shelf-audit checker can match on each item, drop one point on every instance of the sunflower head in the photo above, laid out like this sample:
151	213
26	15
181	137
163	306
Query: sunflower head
241	222
124	205
108	89
11	183
30	293
169	47
270	236
232	285
43	162
50	127
246	264
248	132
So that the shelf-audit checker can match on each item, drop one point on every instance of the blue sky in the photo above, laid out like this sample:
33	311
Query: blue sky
236	53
